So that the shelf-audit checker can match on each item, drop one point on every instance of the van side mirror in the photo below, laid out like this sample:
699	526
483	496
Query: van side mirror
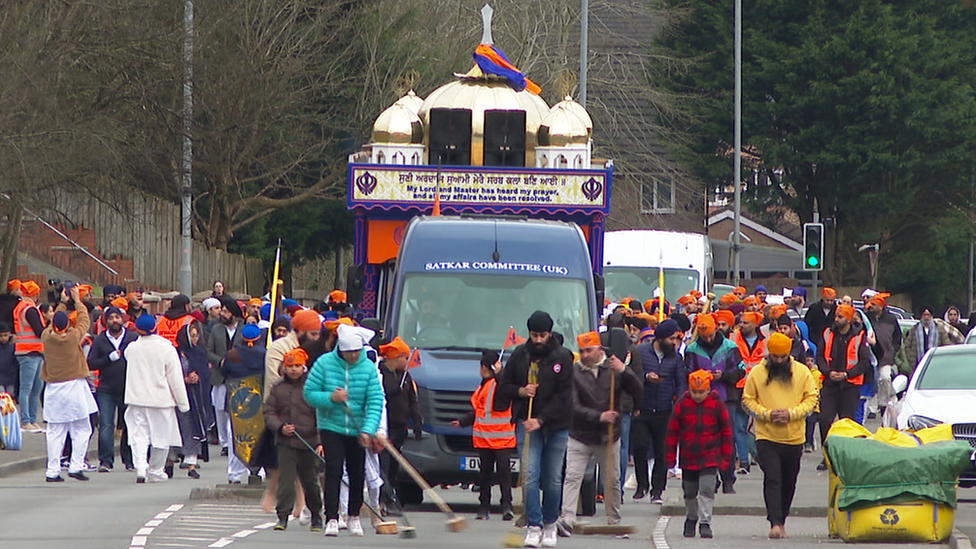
899	384
354	283
599	284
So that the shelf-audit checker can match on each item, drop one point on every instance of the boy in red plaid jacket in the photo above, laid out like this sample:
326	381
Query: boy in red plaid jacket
700	427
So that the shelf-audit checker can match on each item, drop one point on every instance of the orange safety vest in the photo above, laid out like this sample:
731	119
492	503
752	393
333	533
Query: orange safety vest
170	328
852	346
27	341
491	429
750	358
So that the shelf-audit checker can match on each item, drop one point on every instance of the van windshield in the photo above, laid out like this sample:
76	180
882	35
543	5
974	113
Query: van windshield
641	282
476	310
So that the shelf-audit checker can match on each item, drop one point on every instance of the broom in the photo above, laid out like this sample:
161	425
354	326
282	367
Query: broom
514	539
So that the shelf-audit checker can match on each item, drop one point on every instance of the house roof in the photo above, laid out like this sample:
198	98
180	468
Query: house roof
723	215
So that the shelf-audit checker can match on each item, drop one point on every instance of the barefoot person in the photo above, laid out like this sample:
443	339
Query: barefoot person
780	393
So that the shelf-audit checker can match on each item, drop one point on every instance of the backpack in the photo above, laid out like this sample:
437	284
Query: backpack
11	437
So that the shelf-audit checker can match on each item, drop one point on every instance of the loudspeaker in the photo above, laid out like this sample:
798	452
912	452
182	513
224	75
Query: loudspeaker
505	138
450	137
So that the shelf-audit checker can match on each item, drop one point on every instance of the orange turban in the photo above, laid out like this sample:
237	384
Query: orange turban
706	324
255	301
725	316
395	348
880	300
740	291
306	320
751	300
648	303
14	284
333	325
779	344
626	301
728	299
296	357
84	290
338	296
686	299
589	339
846	311
120	302
30	288
700	380
829	293
755	318
696	294
777	311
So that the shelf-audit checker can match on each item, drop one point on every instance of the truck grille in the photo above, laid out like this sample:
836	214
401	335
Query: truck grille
966	432
458	444
446	406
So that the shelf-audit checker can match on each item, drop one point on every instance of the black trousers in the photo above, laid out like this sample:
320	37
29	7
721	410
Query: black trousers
497	464
840	400
301	463
649	430
780	464
343	450
390	467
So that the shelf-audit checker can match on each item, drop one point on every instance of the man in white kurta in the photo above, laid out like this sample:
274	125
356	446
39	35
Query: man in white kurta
68	400
154	390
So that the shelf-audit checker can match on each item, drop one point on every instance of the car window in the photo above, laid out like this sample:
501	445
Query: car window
949	371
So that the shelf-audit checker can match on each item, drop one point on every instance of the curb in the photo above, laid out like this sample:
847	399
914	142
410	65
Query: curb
674	507
959	540
227	492
32	464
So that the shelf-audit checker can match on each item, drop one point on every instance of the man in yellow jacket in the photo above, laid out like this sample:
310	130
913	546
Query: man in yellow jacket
779	393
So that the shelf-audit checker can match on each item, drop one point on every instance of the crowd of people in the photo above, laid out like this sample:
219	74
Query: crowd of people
712	392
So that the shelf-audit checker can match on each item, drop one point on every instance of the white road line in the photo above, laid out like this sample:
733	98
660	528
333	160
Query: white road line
244	533
145	531
139	541
265	526
175	507
163	516
222	542
186	538
154	523
660	541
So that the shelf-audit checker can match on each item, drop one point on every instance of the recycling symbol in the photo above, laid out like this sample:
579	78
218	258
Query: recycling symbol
889	517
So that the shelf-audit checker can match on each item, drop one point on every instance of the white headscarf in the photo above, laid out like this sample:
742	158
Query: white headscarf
210	303
353	338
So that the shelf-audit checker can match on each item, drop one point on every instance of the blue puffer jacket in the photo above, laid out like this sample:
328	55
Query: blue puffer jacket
361	380
660	397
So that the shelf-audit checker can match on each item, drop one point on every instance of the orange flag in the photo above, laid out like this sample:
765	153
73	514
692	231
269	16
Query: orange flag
414	359
513	338
437	204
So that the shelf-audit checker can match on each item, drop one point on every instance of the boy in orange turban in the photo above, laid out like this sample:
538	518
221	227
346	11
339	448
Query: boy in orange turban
401	406
700	432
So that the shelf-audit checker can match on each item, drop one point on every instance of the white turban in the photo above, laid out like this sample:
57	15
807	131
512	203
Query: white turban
354	338
210	303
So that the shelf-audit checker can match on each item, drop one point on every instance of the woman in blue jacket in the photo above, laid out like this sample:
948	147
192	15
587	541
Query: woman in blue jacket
345	390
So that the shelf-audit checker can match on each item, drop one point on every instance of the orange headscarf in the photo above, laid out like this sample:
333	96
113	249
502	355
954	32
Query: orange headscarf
700	380
706	324
395	348
589	339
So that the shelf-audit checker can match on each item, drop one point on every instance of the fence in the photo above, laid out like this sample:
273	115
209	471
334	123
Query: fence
147	230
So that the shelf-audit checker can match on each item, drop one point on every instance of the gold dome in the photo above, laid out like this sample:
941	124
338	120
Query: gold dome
563	127
411	101
398	124
485	94
579	111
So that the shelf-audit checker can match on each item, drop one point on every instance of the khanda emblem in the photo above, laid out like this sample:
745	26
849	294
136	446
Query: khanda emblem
592	189
366	183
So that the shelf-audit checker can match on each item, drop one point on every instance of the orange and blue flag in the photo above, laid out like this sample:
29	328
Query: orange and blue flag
492	60
513	338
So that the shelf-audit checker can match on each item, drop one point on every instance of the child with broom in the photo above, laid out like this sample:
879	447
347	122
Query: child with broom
493	434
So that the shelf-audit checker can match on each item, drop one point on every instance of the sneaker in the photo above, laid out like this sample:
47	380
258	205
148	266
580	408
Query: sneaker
705	530
332	528
355	527
728	489
482	514
549	535
808	448
58	478
305	517
104	469
507	515
316	522
282	523
223	452
533	537
157	477
342	522
689	531
656	499
192	473
80	475
742	471
822	466
564	529
140	480
640	494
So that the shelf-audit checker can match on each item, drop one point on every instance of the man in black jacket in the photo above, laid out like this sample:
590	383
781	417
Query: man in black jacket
820	316
538	379
107	357
401	407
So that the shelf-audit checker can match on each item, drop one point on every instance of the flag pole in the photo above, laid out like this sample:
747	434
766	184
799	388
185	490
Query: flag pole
274	291
660	284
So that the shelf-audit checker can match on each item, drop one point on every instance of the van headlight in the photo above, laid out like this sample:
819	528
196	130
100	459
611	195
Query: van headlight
917	423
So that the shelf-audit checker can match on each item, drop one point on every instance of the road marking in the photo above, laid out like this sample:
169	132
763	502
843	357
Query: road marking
139	541
244	533
154	523
145	531
660	541
265	526
163	516
175	507
222	542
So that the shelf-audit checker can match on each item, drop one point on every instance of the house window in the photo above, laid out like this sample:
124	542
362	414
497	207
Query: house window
657	194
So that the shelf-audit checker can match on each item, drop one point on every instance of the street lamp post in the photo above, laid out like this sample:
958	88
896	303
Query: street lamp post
186	172
737	158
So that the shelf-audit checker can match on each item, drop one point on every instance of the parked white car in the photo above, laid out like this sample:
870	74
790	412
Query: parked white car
942	390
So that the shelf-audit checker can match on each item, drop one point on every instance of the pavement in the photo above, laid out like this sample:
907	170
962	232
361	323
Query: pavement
112	511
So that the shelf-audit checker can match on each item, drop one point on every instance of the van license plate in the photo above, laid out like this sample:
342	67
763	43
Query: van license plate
474	464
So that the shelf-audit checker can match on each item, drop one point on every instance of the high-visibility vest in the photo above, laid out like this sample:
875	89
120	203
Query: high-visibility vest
491	429
852	346
749	358
27	341
169	328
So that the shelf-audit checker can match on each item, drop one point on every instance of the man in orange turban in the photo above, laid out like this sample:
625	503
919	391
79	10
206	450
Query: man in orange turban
306	327
724	321
820	316
740	292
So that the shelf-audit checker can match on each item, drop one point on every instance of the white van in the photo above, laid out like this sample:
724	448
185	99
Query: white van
631	260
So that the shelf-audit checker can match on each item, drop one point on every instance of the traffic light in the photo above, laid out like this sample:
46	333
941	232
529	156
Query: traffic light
813	246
